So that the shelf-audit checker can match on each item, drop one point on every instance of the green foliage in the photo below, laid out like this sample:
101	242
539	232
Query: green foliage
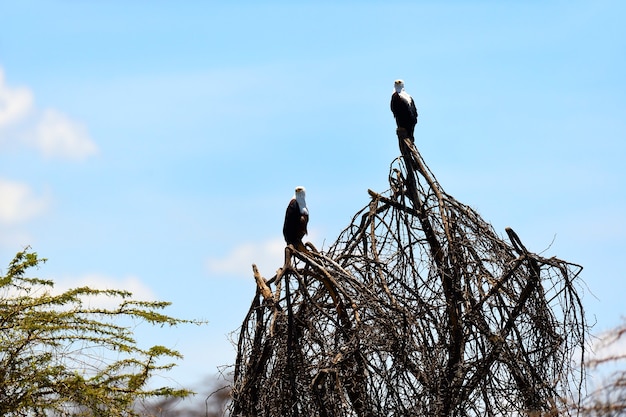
61	356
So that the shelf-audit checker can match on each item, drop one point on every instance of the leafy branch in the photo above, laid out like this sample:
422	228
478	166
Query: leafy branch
59	355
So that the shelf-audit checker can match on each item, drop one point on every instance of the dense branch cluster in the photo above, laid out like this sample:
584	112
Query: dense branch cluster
418	309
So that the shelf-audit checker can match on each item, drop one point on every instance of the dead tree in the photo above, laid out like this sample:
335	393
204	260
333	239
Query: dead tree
418	309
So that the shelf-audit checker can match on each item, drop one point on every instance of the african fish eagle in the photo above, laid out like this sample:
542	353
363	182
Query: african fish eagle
403	109
296	219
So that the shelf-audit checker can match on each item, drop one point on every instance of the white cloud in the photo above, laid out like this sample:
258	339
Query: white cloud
268	257
139	291
132	284
49	131
12	238
608	345
15	103
58	136
606	354
19	203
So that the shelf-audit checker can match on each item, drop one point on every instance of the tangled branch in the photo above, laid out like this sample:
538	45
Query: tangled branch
418	308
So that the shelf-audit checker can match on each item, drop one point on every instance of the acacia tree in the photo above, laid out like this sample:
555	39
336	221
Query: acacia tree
61	356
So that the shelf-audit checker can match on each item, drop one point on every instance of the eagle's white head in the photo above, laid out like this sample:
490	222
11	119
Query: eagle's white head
398	85
300	198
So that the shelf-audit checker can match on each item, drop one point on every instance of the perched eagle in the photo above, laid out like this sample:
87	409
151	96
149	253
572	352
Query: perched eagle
403	109
296	220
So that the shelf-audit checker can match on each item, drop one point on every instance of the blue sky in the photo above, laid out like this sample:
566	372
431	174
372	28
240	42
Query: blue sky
154	146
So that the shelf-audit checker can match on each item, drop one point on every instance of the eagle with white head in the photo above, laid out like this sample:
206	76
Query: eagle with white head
296	219
403	109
